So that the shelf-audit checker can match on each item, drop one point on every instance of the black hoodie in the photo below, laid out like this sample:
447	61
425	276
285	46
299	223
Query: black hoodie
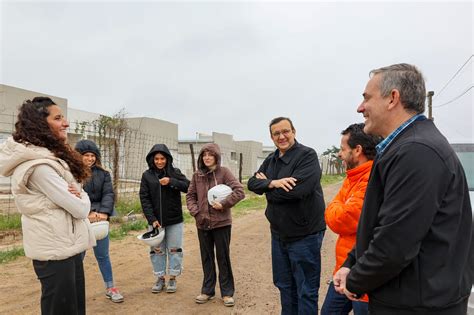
168	197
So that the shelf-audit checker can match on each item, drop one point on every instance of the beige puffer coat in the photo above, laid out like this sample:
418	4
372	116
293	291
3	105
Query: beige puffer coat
50	232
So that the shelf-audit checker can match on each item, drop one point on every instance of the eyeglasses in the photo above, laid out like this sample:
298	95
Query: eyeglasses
284	132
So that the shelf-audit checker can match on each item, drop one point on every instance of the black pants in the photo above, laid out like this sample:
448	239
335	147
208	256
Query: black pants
62	286
220	238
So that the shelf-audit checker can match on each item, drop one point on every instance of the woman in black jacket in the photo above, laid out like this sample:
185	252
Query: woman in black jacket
160	198
101	194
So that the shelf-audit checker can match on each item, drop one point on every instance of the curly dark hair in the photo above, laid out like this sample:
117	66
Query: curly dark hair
32	128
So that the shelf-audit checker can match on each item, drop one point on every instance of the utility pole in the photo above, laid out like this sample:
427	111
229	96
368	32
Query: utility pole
430	104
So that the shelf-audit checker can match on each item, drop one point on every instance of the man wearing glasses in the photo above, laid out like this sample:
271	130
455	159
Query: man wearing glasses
290	179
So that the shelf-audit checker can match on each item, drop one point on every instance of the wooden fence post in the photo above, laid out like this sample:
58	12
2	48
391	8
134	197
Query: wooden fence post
192	157
240	167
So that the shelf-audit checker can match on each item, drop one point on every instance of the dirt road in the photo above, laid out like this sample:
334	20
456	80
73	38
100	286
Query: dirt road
250	253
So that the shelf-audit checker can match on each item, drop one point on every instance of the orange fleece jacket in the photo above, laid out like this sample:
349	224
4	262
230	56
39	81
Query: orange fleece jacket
342	214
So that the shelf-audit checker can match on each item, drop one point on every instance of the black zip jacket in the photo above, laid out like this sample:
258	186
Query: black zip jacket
414	250
99	186
298	213
153	195
100	190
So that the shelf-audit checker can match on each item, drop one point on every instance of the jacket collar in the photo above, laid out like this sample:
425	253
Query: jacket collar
359	171
286	158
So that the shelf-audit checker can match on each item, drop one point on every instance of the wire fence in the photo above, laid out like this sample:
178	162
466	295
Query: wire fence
124	149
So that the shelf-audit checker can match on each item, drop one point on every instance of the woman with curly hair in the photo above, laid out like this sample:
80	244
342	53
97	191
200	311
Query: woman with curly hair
46	174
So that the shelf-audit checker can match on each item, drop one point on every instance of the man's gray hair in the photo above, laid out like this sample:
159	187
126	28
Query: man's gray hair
408	80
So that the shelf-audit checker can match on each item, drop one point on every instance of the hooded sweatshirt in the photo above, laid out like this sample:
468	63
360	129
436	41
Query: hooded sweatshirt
54	221
206	216
167	198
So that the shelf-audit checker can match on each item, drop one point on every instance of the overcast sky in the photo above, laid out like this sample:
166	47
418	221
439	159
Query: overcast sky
232	66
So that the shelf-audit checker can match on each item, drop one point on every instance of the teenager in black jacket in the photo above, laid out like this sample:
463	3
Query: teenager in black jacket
160	196
101	194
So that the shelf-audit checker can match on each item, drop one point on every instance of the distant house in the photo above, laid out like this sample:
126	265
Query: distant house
252	153
224	141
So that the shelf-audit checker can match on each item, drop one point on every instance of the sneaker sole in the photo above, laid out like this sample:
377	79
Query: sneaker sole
115	301
170	291
204	301
155	291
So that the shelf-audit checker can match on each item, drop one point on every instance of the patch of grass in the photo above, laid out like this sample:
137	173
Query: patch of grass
254	202
10	222
327	180
117	233
251	202
123	207
187	216
11	254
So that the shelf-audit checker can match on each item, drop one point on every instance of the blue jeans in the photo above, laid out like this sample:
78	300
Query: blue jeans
170	251
101	253
296	273
339	304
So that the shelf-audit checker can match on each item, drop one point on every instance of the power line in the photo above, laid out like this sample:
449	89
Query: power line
457	72
457	97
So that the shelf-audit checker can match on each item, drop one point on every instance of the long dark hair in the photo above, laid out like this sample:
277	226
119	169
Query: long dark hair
32	128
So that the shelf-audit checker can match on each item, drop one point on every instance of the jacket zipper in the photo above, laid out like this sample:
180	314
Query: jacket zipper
208	209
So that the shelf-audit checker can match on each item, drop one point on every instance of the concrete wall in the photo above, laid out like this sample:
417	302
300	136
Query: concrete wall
78	130
141	134
225	143
147	133
250	150
132	146
230	153
266	151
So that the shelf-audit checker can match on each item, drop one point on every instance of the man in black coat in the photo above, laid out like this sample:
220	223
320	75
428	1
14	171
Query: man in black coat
413	252
290	178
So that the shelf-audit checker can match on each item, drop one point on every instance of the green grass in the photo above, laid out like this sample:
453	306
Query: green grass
119	232
187	216
254	202
124	207
251	202
11	254
10	222
331	179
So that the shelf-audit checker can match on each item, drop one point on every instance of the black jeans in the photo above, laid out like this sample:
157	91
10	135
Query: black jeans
220	238
62	286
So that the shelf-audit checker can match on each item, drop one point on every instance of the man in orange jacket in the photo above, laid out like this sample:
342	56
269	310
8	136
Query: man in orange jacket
342	214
